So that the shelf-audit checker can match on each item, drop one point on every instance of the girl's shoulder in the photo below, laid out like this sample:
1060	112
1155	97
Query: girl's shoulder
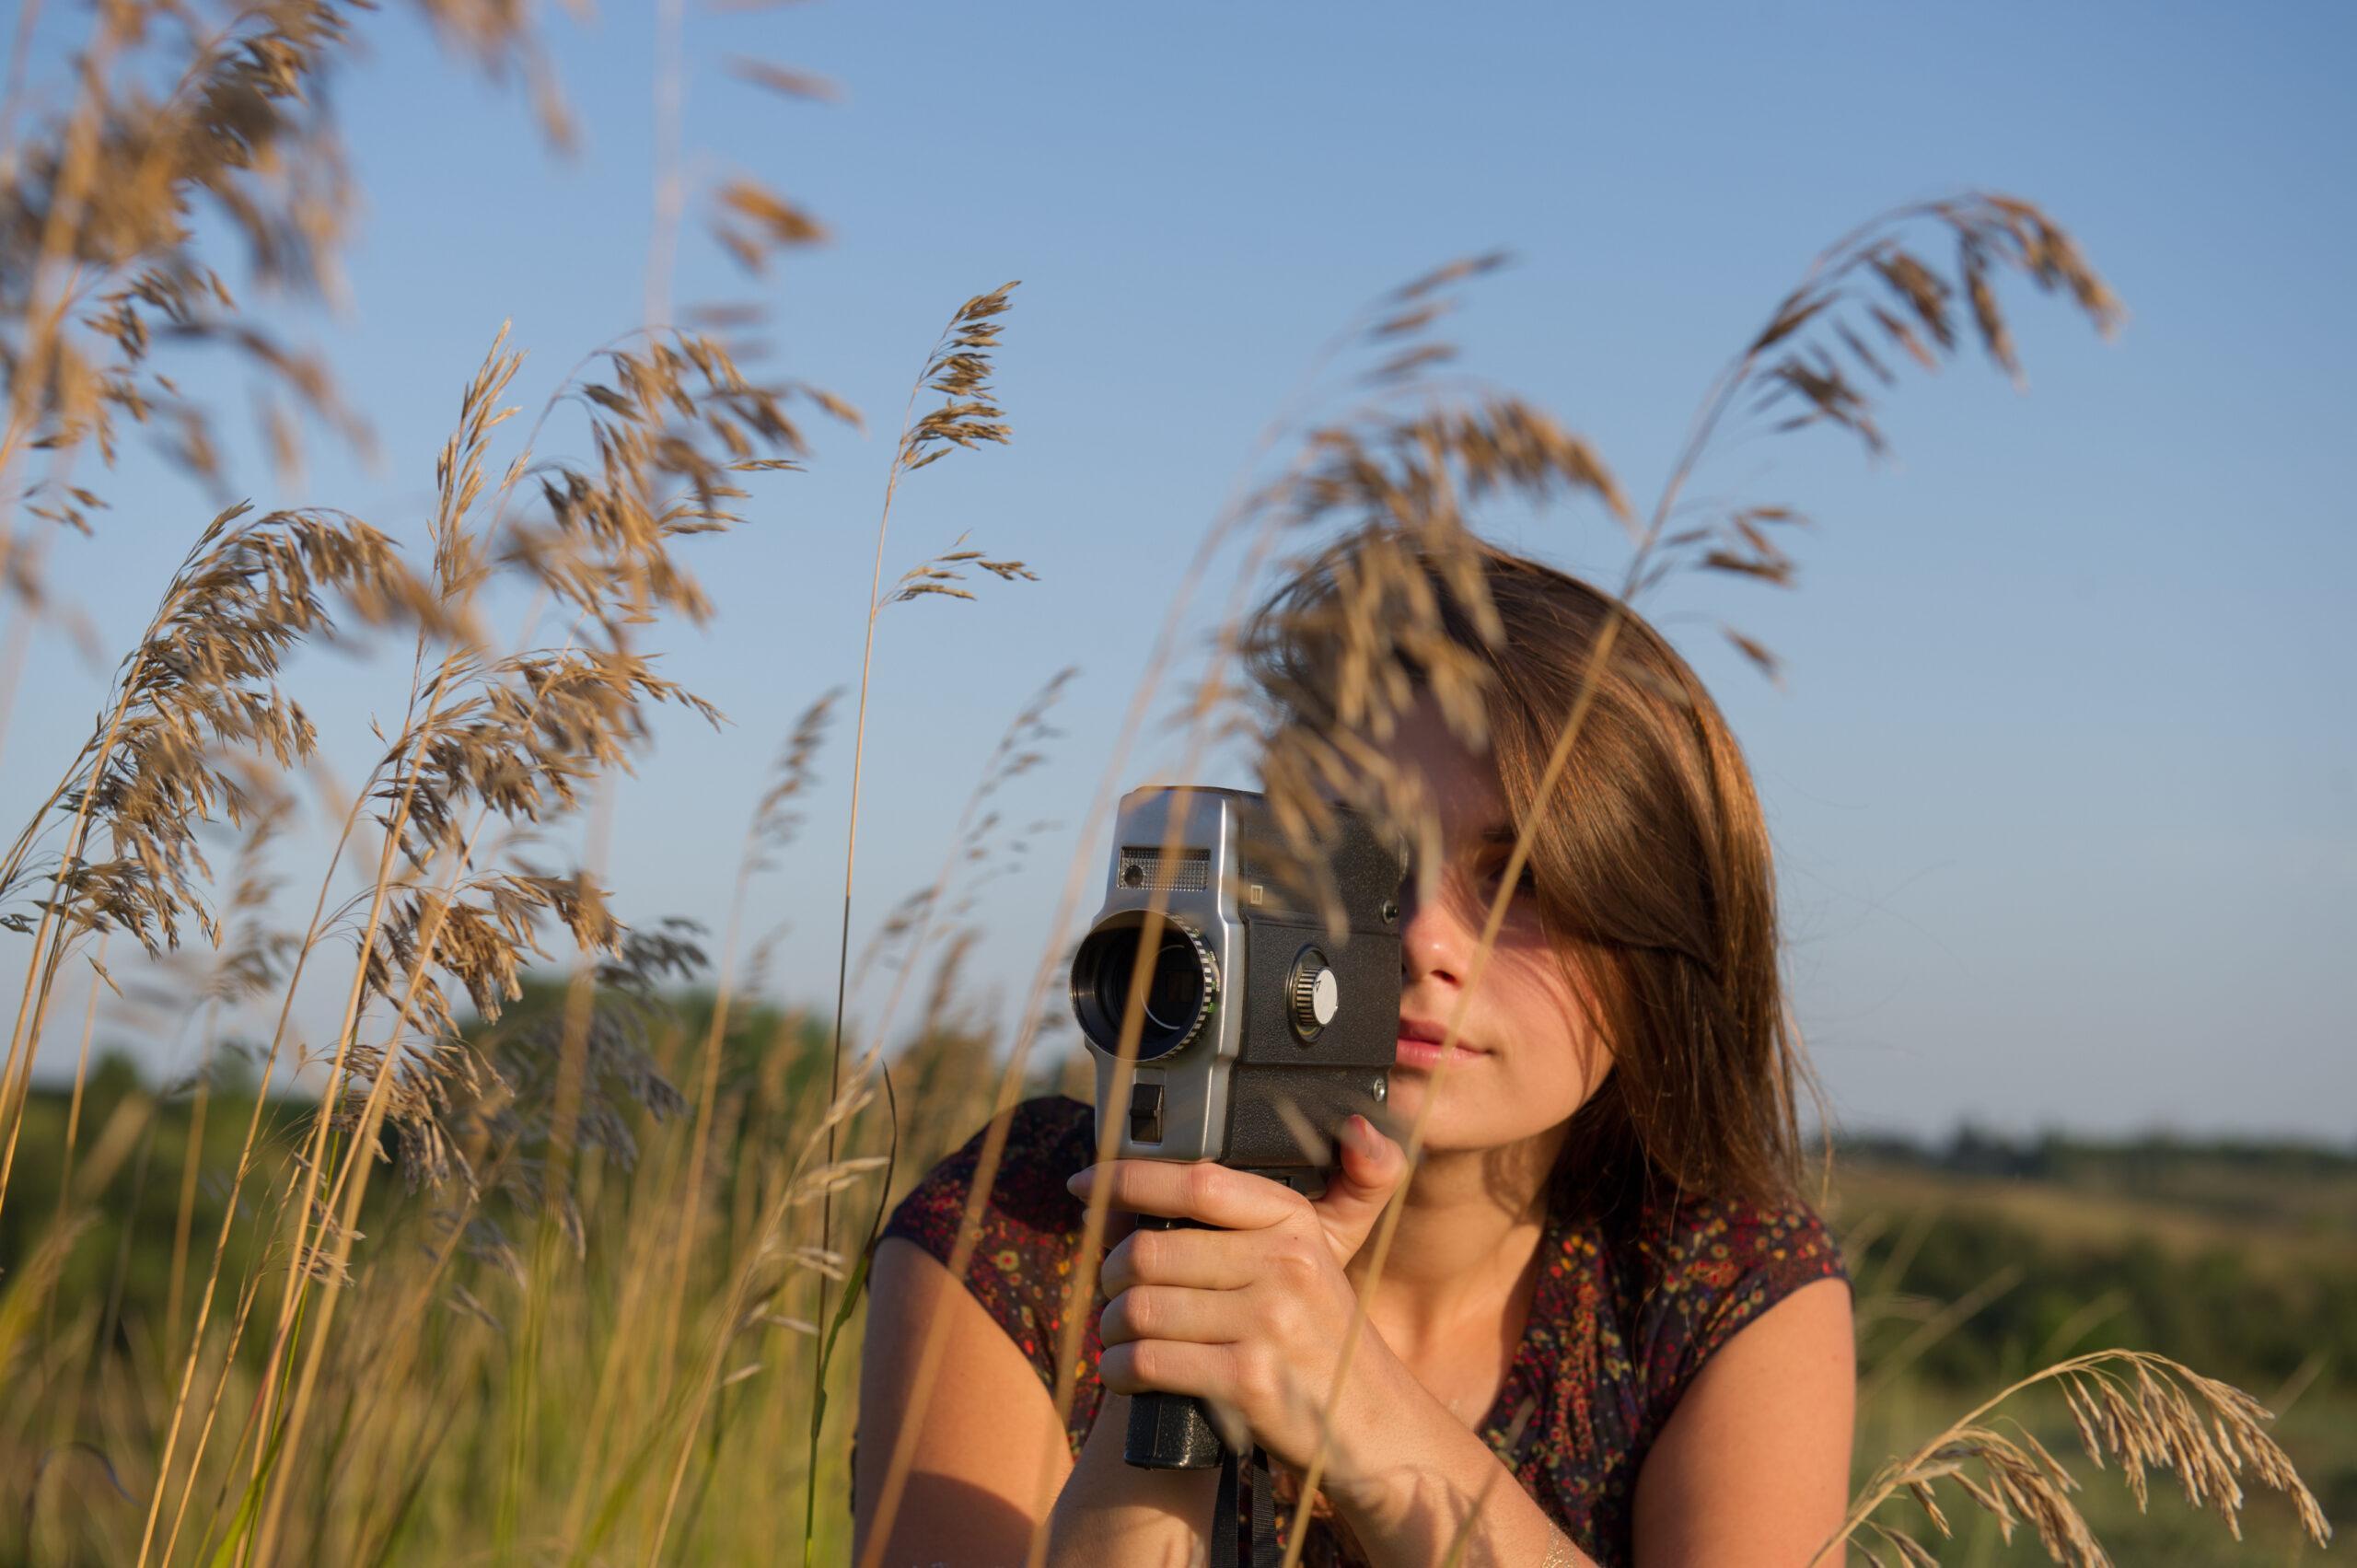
1046	1141
1696	1270
1017	1262
1710	1245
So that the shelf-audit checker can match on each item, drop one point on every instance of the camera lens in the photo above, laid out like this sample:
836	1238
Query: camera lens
1175	990
1179	985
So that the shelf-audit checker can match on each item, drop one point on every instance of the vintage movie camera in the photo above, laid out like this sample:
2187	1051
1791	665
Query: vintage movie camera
1262	1029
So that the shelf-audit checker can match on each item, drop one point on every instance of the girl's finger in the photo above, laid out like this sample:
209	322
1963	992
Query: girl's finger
1171	1366
1168	1312
1198	1260
1368	1171
1190	1189
1119	1223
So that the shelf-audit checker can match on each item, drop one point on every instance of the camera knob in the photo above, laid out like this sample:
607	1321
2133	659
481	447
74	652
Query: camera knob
1315	995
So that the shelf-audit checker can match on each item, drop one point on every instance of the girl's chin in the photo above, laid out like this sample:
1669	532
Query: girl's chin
1465	1120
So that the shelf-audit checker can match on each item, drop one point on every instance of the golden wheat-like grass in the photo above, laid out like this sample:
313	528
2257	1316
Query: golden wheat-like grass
2133	1409
514	739
573	1334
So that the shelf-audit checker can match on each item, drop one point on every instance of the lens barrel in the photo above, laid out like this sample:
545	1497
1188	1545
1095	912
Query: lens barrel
1181	982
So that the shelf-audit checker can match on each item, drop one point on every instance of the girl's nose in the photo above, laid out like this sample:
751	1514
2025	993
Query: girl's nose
1432	935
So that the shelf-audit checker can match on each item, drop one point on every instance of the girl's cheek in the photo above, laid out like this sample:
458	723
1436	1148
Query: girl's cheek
1522	935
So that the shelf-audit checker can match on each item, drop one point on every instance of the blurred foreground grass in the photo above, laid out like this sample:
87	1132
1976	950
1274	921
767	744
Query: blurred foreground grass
534	1414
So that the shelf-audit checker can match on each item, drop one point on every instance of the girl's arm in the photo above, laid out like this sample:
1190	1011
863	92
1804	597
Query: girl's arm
1446	1498
1111	1513
1752	1469
989	1454
1754	1464
987	1448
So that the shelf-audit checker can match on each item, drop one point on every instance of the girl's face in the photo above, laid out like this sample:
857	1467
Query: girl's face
1524	1057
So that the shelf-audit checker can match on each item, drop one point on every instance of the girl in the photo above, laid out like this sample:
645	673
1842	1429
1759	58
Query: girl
1608	1331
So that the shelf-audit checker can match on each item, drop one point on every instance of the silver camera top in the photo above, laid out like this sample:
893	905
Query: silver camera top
1253	1028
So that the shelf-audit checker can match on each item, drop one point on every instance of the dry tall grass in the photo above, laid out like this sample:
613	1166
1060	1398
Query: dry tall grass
601	1319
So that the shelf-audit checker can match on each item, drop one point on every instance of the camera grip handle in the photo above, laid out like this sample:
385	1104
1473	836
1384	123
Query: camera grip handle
1170	1432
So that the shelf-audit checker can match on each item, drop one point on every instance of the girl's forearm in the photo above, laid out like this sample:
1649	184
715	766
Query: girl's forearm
1112	1515
1446	1493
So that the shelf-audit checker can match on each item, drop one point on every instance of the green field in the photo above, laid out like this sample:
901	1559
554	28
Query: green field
1980	1262
1974	1264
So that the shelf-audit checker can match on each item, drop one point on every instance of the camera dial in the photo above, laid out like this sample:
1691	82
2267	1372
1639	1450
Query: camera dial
1312	995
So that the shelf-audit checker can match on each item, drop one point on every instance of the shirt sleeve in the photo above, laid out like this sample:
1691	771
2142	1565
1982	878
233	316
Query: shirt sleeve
1030	1226
1723	1264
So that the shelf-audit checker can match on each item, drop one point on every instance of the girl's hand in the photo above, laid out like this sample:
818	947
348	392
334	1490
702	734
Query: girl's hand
1252	1315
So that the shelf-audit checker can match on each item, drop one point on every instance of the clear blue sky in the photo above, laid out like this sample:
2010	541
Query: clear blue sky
2064	777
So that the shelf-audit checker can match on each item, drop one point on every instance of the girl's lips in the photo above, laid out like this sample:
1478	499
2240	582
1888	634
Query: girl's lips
1426	1054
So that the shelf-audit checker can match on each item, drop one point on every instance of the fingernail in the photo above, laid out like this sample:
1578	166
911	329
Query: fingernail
1077	1183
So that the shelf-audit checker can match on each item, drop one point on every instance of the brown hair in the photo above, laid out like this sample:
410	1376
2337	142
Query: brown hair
1651	860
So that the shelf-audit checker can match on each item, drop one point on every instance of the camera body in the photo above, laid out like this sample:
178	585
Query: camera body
1263	1030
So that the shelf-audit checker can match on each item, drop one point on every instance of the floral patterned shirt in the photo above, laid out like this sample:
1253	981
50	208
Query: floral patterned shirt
1624	1316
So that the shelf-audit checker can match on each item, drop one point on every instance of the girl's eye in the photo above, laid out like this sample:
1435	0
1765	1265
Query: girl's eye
1528	883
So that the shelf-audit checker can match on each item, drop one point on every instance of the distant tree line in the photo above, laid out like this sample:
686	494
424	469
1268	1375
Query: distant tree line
1973	1150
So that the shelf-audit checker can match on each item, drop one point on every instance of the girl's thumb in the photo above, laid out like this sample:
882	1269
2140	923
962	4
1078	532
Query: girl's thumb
1368	1169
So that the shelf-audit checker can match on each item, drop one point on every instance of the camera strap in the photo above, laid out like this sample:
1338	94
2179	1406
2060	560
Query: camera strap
1228	1531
